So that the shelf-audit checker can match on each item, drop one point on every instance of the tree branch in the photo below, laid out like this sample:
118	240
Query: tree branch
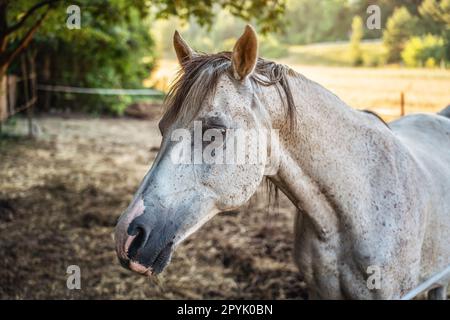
23	43
28	14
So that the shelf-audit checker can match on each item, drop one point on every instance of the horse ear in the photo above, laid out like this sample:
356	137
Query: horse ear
245	54
182	49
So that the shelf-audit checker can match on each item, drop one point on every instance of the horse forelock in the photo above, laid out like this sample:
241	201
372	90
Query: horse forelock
197	79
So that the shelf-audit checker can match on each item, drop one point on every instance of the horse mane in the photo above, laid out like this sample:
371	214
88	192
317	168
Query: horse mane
197	79
376	115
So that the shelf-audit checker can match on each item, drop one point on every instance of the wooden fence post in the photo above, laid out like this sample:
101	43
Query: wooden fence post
402	104
26	94
31	56
3	98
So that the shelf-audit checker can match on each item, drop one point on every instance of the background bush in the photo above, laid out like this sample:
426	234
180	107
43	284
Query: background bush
427	51
356	54
99	55
399	28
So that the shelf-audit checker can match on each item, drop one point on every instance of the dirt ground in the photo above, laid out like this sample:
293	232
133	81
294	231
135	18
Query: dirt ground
61	195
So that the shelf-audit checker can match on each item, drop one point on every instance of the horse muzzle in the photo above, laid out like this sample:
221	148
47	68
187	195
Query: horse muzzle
144	240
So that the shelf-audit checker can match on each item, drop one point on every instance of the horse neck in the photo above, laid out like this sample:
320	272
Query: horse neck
324	157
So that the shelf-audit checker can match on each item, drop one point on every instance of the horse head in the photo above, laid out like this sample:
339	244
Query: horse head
192	179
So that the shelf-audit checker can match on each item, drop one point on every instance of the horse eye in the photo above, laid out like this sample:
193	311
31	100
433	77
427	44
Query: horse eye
216	128
215	123
220	128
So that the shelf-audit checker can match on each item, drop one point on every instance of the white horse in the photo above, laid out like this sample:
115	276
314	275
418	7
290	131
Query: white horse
373	201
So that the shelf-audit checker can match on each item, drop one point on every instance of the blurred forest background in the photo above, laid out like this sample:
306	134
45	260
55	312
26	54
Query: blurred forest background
127	43
62	191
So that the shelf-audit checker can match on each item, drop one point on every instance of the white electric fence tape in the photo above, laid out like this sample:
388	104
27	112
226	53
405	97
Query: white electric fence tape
444	274
102	91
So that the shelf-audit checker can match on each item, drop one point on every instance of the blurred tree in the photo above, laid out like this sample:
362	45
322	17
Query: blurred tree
113	49
436	19
113	46
19	21
355	41
387	7
423	51
436	11
268	14
311	21
222	37
399	28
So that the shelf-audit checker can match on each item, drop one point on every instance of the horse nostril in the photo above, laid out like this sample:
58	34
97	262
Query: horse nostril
138	233
141	236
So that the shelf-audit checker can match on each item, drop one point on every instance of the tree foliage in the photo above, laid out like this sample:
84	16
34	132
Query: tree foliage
319	20
425	51
425	17
114	47
19	21
355	41
400	27
105	53
268	14
436	15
